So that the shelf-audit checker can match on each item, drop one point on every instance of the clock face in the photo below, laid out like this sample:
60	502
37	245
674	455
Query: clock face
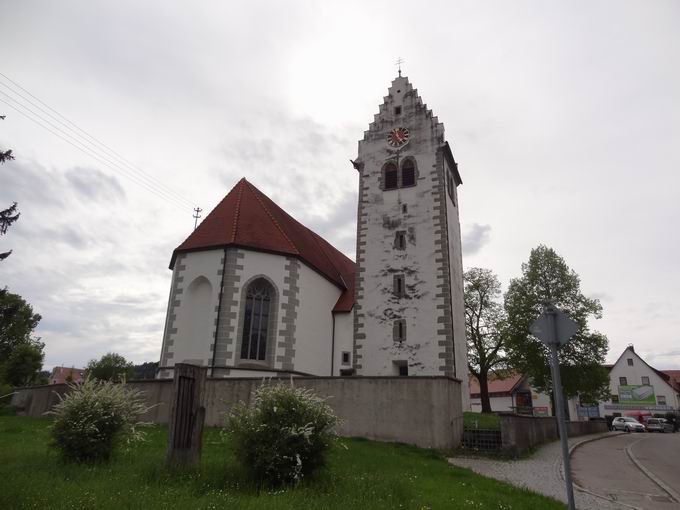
397	137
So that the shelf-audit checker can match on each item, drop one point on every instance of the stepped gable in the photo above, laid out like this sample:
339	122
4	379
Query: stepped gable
248	218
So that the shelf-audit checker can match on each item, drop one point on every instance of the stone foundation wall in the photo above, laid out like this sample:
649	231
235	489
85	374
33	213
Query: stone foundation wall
423	411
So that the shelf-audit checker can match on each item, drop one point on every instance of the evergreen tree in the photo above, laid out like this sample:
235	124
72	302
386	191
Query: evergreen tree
9	215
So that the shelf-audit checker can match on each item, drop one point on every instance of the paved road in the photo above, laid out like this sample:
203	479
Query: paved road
540	473
613	468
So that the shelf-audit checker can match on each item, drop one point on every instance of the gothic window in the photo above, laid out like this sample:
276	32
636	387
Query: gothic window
450	186
256	320
408	173
391	176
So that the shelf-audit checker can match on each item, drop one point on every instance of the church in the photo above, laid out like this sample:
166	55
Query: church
255	293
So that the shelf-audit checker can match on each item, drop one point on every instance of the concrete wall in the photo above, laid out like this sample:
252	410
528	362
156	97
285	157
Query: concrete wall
519	433
424	411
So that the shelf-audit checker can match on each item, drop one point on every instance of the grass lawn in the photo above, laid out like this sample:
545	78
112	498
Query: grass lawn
482	421
364	475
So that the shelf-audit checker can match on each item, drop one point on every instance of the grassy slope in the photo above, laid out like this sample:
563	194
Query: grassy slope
364	475
482	421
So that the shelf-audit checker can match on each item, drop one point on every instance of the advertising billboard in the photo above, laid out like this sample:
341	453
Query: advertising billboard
637	394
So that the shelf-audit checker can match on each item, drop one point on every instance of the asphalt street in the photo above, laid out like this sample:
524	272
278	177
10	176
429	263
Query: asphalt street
640	470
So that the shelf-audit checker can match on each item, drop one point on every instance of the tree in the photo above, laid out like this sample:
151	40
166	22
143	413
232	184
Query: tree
484	324
547	278
17	322
111	367
24	365
9	215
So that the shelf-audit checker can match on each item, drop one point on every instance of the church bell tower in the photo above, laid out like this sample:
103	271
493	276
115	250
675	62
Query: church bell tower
409	311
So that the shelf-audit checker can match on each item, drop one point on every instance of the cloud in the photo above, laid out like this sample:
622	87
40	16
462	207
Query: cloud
92	184
475	238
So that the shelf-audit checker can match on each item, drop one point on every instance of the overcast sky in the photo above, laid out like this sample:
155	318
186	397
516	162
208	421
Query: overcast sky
564	118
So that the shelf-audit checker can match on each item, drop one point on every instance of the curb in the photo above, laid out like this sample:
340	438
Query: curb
674	495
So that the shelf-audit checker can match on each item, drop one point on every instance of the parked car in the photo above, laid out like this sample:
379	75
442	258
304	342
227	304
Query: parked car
659	425
627	424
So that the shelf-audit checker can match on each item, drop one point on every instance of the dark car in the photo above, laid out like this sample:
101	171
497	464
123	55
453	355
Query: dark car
659	425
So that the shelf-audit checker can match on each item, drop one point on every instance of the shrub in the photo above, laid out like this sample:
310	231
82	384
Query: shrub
5	394
283	435
93	418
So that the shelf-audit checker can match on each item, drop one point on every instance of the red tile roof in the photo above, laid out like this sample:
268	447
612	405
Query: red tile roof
496	386
248	218
61	374
675	378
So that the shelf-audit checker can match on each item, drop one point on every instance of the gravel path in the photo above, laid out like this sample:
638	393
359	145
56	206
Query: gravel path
541	473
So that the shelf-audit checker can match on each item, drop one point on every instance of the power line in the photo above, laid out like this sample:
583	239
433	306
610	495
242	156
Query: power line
85	150
94	141
90	145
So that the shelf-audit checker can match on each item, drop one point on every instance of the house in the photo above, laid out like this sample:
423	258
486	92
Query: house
638	388
61	375
513	393
254	292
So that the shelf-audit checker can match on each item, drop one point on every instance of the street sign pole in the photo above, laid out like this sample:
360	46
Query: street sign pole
554	328
559	404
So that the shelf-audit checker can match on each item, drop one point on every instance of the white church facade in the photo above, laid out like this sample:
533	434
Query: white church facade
254	292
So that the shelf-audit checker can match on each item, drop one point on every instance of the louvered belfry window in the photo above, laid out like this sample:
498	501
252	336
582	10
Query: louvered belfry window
256	320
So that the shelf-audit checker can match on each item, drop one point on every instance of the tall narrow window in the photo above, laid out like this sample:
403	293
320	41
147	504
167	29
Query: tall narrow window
408	173
256	320
399	289
391	178
623	381
630	362
400	240
399	330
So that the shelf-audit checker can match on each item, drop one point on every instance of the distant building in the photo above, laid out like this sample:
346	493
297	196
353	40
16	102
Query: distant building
61	375
515	394
638	388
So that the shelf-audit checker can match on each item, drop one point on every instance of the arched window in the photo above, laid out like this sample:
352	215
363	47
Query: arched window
256	320
408	173
391	178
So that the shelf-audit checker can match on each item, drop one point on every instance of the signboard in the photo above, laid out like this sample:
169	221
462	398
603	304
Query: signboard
553	326
540	411
588	411
637	394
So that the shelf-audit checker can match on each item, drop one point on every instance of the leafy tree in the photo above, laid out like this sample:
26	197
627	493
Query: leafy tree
17	322
547	278
146	370
484	324
9	215
24	365
111	367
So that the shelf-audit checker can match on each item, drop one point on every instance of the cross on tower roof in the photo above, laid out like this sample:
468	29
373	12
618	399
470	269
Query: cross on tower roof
398	63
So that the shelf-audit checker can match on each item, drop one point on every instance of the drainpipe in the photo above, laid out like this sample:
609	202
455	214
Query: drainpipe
333	345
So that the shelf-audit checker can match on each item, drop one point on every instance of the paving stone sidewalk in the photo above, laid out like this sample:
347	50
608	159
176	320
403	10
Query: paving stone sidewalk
542	473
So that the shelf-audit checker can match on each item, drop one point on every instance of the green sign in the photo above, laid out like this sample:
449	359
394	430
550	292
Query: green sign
637	394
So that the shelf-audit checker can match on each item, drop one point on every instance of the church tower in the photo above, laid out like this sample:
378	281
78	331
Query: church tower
409	312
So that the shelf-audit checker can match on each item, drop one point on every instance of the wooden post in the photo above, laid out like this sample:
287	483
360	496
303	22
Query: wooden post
187	416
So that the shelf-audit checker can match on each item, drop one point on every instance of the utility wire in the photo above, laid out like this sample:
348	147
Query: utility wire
87	151
91	146
91	139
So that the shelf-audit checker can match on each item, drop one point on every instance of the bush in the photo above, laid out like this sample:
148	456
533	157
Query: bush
93	418
5	394
283	435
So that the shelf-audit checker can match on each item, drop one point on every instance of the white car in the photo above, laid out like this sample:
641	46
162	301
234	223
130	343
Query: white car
628	424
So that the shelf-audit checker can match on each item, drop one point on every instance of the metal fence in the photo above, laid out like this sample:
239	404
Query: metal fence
482	439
